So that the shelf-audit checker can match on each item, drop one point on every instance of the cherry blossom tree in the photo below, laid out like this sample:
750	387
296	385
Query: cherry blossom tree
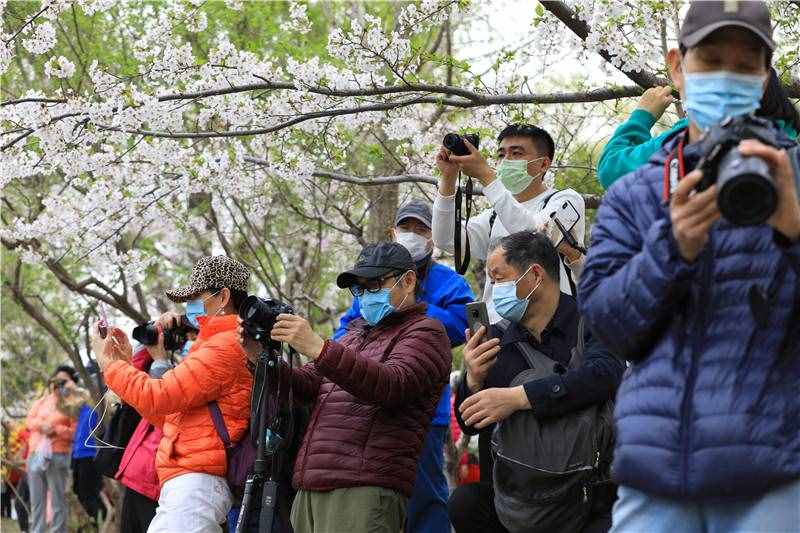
138	136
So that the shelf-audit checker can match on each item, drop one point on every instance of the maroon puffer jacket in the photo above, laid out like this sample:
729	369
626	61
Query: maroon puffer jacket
374	394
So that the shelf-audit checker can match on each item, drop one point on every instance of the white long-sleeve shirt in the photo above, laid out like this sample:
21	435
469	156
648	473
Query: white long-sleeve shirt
512	216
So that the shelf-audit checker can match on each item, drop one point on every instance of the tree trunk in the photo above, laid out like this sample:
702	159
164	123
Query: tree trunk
383	206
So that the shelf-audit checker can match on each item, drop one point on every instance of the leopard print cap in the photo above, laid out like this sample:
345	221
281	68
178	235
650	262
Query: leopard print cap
214	272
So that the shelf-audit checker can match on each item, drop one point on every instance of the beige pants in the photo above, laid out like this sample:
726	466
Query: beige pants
353	510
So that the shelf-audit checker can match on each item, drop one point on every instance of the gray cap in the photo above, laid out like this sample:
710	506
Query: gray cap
705	17
417	209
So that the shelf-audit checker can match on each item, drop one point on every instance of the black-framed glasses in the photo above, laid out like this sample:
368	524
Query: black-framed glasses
374	286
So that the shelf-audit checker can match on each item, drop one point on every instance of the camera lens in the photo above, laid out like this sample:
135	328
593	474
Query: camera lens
747	194
454	143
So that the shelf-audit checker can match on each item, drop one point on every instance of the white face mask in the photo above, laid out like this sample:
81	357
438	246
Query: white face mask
417	245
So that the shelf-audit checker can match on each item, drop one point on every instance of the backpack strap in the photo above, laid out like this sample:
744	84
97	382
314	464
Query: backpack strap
219	423
537	359
491	222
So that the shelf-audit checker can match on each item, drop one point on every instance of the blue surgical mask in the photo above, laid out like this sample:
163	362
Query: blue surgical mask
195	309
375	306
713	96
506	303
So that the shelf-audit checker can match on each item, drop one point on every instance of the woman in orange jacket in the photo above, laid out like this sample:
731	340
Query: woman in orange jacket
50	444
191	460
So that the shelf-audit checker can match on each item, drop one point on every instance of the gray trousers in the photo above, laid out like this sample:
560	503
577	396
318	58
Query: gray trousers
50	477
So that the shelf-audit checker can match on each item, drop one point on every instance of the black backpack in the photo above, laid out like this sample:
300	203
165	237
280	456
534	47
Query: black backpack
546	471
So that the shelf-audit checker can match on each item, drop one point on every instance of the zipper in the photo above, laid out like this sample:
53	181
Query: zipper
523	465
702	305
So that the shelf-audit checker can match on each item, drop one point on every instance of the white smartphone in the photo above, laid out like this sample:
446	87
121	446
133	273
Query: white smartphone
567	216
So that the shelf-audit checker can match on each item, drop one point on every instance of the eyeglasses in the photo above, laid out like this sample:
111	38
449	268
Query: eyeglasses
373	286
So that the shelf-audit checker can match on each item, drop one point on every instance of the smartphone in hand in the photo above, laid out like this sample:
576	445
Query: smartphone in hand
566	217
477	316
103	325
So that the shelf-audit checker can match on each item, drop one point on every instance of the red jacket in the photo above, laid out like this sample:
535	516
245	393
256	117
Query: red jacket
374	395
137	468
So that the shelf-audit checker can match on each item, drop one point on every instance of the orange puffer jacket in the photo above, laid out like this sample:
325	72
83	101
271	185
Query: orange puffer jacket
215	369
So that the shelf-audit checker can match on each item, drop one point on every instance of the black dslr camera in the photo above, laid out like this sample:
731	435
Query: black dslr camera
455	142
174	338
746	193
258	316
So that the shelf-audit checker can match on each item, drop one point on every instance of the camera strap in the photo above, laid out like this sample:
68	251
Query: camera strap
462	264
674	169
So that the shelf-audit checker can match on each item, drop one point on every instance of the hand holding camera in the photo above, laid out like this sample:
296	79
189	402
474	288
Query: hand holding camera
786	218
692	215
297	332
463	150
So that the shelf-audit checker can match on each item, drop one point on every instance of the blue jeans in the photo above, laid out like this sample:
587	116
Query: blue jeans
427	508
777	511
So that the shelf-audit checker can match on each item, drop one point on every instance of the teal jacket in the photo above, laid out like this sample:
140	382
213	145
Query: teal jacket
631	145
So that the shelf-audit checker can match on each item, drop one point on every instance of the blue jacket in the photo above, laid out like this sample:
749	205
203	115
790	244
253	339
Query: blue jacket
86	421
446	294
710	407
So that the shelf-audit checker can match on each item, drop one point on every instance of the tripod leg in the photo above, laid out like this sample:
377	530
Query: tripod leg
269	503
244	510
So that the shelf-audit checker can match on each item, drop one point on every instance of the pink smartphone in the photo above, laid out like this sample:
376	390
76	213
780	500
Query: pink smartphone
103	326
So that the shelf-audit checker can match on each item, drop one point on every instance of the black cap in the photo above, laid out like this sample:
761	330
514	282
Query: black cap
704	18
376	261
416	209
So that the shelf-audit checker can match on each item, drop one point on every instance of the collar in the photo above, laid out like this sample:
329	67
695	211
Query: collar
564	319
211	325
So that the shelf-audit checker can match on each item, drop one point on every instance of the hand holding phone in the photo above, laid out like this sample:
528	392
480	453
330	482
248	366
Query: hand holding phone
477	316
103	324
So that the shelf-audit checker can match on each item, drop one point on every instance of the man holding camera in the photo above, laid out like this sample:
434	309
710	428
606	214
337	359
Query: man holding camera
524	268
705	308
519	197
374	392
191	460
445	293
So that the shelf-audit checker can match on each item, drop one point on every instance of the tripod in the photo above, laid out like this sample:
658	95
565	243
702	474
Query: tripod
273	433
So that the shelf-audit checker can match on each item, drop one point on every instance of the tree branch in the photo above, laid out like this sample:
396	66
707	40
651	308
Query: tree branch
592	200
580	28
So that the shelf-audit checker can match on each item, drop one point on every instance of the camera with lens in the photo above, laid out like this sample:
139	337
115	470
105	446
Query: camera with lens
455	142
746	192
259	315
174	338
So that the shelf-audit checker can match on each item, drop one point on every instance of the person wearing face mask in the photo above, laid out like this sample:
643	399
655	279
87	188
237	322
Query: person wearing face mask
518	195
631	145
707	311
445	293
523	269
191	460
374	392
